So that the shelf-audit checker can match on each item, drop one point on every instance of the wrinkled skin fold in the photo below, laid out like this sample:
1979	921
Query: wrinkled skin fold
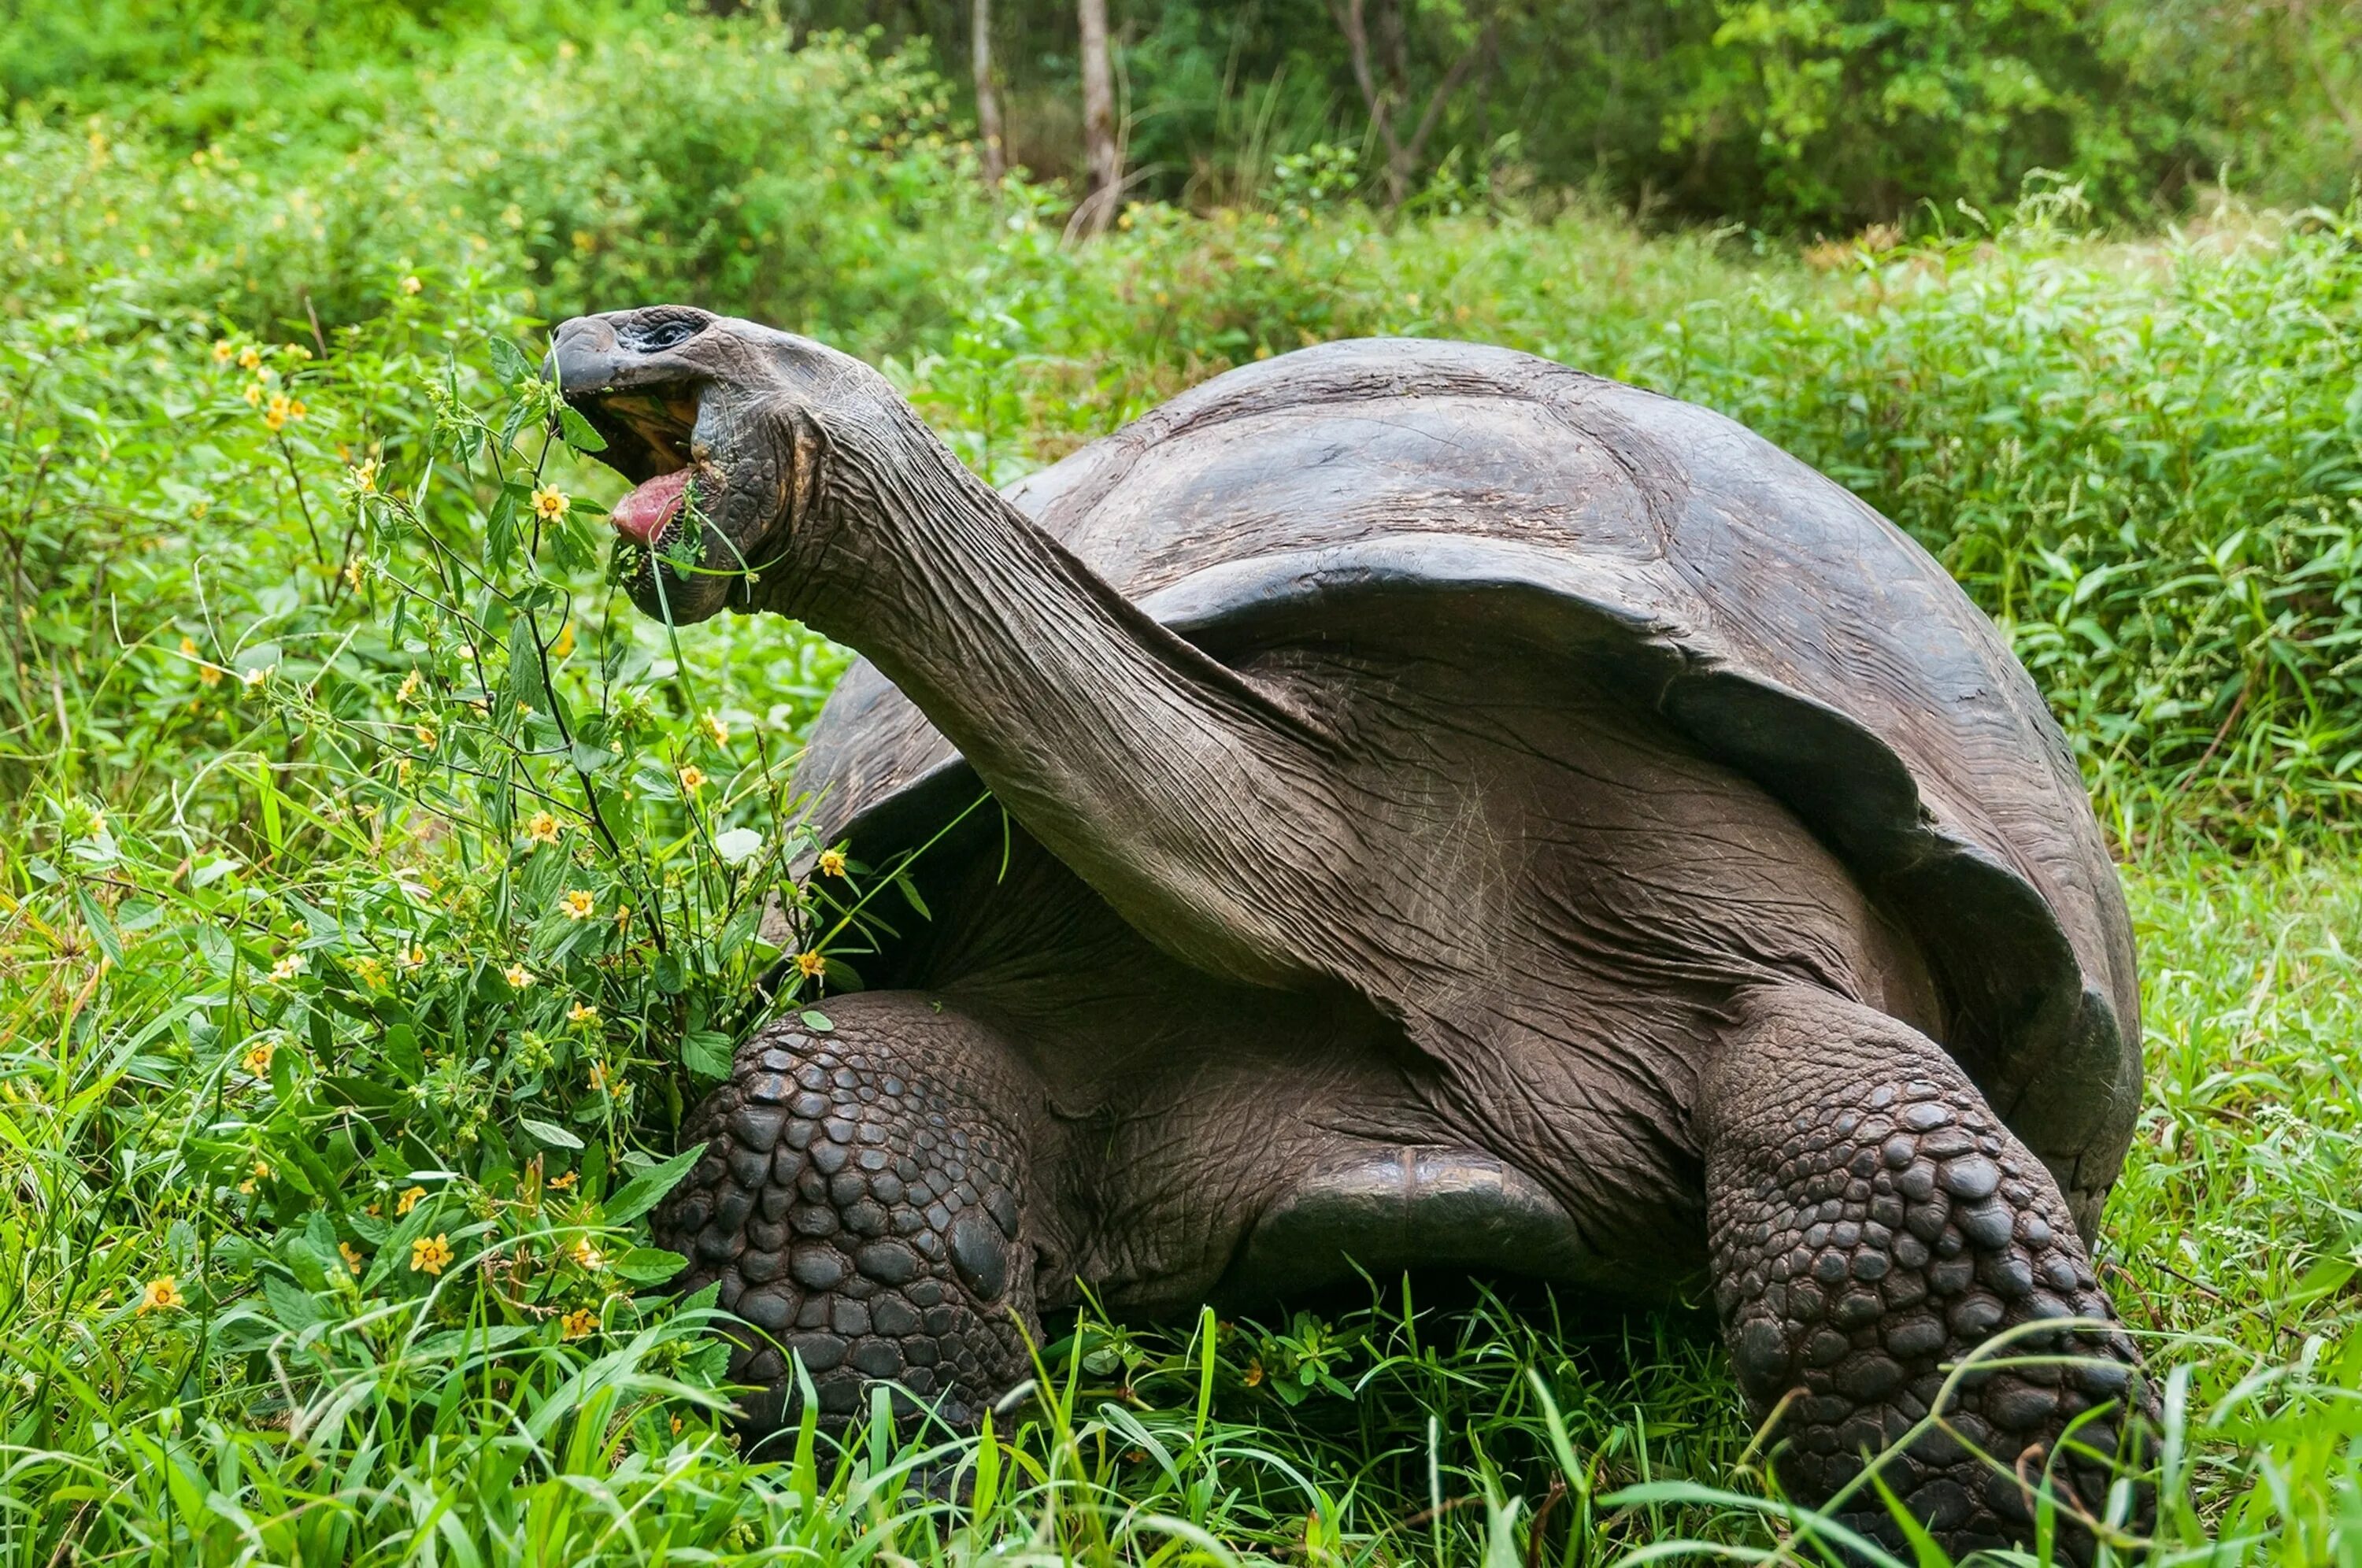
1463	815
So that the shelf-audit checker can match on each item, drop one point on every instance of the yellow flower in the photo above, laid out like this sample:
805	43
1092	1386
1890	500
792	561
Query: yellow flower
426	733
253	394
286	968
517	976
562	643
198	508
578	904
352	1259
262	1170
257	1059
280	409
353	569
430	1254
371	972
559	1183
811	965
258	675
365	477
587	1256
411	284
1254	1373
578	1323
542	828
409	688
582	1015
713	727
692	778
249	358
222	351
549	503
161	1294
831	862
410	958
408	1201
623	916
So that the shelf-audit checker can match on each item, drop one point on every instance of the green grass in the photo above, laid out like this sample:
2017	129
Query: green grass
291	1000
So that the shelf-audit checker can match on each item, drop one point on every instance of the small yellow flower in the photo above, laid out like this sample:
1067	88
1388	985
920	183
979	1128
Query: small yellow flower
365	477
578	904
199	507
582	1015
714	728
223	350
542	828
587	1256
262	1170
692	778
426	733
562	643
286	968
560	1183
517	976
430	1254
409	688
278	410
413	957
257	1059
161	1294
353	569
1254	1373
598	1077
549	503
372	973
810	966
249	358
411	284
352	1259
253	394
258	675
831	862
408	1201
579	1323
623	916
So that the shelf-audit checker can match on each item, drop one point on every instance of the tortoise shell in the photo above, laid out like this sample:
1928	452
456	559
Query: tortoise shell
1781	624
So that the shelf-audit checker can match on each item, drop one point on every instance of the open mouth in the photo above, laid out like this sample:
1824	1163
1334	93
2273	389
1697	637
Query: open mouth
648	432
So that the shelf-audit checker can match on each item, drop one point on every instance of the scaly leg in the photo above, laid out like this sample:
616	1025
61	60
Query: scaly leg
863	1203
1871	1223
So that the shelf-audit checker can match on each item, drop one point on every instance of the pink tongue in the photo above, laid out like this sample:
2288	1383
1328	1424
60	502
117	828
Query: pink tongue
642	513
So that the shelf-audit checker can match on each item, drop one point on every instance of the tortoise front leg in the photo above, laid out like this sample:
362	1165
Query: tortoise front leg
1872	1223
863	1203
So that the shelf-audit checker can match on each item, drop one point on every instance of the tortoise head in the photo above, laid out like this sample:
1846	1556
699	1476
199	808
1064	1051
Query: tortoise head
725	427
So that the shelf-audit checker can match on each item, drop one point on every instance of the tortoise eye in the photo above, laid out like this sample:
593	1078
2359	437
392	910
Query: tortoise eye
667	334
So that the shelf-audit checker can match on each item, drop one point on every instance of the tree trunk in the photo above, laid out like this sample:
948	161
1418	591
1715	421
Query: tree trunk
988	100
1385	101
1103	161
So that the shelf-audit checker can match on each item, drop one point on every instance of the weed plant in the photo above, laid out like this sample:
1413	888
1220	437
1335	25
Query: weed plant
377	890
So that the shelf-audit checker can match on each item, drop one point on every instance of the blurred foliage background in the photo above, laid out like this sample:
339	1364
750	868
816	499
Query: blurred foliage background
1816	115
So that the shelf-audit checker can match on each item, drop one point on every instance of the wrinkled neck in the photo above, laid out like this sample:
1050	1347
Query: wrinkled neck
1142	762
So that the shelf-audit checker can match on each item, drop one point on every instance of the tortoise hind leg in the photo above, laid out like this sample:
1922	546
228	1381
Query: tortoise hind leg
1873	1223
864	1204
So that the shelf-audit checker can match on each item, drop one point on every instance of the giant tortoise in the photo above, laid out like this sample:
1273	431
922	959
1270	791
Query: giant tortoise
1455	811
